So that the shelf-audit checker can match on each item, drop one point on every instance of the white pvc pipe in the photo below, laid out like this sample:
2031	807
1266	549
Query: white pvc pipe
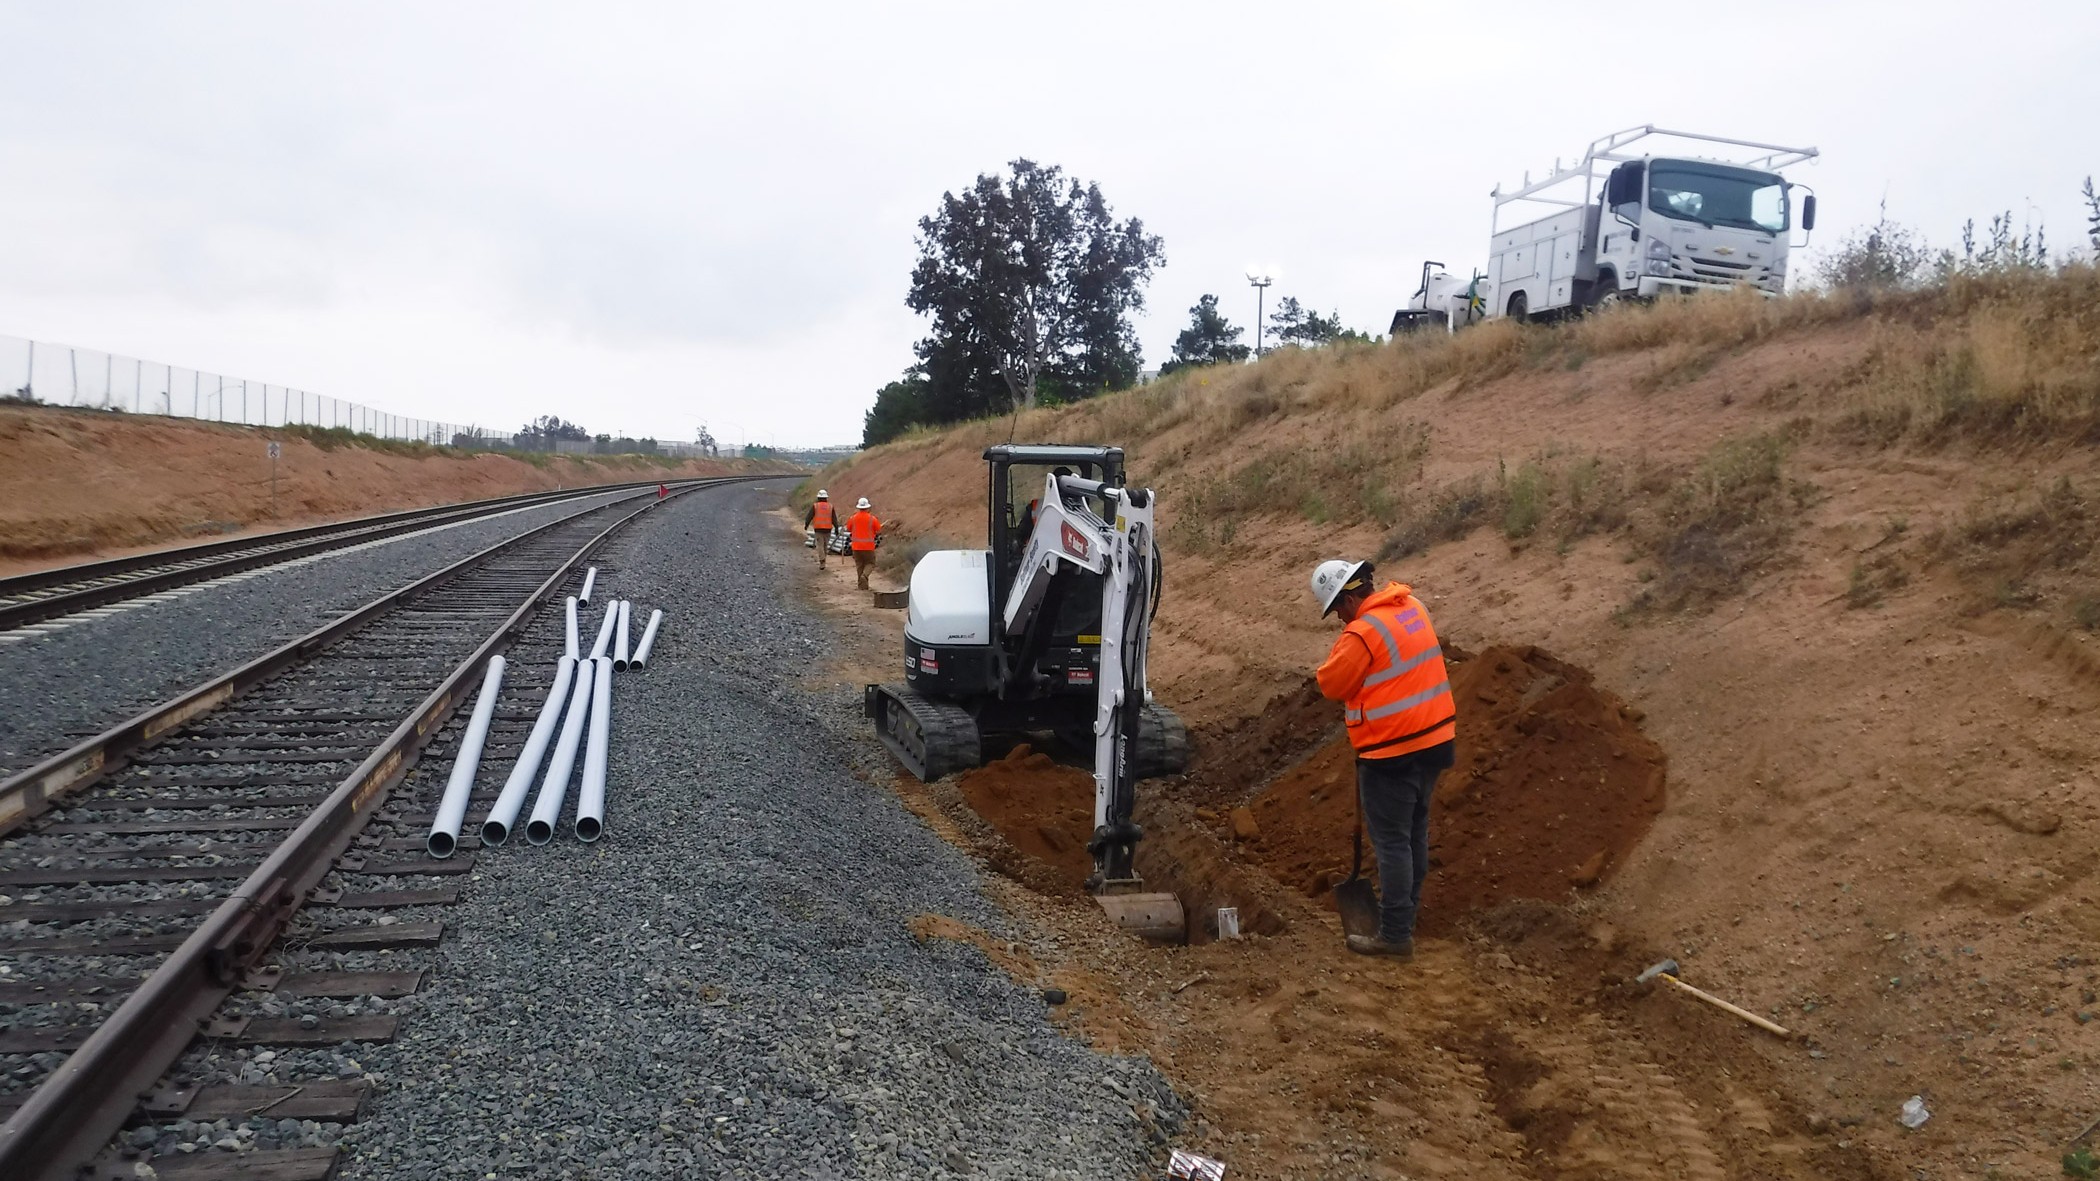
574	649
605	631
555	787
641	650
504	816
590	579
452	807
590	798
620	648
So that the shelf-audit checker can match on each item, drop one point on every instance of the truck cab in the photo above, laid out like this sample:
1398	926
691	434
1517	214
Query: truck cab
1671	224
1645	225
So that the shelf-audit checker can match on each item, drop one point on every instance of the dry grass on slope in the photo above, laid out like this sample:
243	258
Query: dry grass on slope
1552	434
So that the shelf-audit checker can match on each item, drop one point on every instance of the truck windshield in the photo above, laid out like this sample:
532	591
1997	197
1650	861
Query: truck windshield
1716	195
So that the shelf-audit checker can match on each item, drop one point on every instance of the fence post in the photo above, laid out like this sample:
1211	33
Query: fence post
196	391
29	374
73	359
109	379
138	387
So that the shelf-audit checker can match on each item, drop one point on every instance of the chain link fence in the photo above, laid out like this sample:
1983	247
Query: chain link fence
62	375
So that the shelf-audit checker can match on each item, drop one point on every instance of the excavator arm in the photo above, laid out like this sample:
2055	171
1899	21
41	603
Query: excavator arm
1069	537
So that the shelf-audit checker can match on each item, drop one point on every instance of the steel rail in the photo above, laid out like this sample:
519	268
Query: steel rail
71	1116
200	563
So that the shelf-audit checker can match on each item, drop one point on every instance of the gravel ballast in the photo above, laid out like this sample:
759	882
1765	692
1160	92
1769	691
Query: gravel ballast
726	984
97	672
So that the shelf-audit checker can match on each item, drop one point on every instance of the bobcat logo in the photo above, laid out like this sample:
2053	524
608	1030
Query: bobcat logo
1075	542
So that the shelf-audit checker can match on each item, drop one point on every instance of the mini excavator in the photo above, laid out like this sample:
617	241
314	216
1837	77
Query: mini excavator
1046	631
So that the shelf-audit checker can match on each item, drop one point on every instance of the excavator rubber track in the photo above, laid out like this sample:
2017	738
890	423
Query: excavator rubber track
1162	743
931	738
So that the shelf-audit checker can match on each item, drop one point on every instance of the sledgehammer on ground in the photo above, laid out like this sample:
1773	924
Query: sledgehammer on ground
1667	971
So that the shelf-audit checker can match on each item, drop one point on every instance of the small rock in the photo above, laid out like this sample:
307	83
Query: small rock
958	1161
1819	1124
1243	824
144	1137
1590	870
227	1144
1055	996
309	1021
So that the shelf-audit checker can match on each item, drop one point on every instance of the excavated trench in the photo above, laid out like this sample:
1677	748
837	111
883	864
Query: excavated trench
1554	785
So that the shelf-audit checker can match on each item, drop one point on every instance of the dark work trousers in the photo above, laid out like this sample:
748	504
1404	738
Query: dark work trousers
1395	794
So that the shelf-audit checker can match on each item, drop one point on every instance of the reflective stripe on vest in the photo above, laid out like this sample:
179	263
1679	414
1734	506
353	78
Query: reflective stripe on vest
1405	702
823	518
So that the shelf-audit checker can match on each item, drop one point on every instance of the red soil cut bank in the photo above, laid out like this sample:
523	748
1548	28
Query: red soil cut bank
1554	785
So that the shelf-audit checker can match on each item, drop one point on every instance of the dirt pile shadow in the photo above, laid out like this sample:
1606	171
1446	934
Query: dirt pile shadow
1554	785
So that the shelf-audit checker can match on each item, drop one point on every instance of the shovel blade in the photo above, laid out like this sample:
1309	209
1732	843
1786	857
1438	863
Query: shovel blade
1357	900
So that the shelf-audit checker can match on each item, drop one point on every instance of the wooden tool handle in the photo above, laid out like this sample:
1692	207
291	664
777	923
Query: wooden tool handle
1718	1003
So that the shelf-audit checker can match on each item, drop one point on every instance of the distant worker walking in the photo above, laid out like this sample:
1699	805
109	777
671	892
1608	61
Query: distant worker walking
865	530
1388	671
820	518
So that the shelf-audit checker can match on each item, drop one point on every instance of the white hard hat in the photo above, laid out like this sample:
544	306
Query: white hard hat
823	495
863	503
1333	576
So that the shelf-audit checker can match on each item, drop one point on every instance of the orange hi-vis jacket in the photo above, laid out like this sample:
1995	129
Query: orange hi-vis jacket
823	517
864	527
1388	670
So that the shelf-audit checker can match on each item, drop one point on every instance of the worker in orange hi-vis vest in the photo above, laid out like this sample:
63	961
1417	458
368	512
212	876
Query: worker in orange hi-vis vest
1387	669
865	530
823	520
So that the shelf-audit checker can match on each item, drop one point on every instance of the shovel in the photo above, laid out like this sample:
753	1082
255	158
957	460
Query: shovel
1355	898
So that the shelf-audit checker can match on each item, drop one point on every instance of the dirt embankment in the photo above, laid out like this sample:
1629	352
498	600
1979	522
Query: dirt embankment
1837	568
75	485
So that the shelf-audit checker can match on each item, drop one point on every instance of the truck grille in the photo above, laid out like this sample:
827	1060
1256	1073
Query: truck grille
1720	271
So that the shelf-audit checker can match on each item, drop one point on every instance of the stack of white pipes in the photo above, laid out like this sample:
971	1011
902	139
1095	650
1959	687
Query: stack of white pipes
579	704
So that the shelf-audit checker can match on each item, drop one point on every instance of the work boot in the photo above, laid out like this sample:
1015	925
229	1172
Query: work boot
1374	945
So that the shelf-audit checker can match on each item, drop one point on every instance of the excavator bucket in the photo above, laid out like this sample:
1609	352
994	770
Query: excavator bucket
1157	917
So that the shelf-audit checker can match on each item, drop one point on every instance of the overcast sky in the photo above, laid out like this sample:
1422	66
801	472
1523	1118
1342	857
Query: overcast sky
646	217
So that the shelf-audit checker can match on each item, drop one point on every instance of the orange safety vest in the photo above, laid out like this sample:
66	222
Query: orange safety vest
1405	703
823	517
864	527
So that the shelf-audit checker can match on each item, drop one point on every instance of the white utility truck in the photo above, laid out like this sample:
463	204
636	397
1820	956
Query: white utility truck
1647	224
1647	221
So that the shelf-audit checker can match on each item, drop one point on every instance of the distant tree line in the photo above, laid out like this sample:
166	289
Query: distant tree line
1211	339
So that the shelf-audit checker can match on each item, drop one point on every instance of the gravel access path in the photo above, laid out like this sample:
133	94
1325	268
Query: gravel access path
725	986
84	678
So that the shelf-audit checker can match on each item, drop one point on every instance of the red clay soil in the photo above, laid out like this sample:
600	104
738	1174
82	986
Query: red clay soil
1232	759
1554	784
1044	810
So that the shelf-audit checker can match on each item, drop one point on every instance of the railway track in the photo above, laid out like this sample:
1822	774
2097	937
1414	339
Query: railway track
30	599
225	885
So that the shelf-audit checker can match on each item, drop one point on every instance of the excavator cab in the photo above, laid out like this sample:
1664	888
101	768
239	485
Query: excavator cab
1061	656
1017	474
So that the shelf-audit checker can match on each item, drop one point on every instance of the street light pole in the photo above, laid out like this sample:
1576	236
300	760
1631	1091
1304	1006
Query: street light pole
1260	283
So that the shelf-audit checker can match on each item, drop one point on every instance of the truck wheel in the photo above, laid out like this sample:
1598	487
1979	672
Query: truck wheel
1606	294
1519	307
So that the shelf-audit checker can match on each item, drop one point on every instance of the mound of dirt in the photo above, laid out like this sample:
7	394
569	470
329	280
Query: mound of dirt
1044	810
77	484
1554	784
1233	758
